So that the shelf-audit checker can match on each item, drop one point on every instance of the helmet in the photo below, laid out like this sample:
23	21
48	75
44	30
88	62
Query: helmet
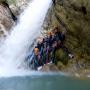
55	29
49	33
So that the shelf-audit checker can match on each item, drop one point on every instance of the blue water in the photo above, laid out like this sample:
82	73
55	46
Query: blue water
44	82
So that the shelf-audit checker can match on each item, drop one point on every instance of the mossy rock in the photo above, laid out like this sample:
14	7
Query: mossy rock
61	56
60	65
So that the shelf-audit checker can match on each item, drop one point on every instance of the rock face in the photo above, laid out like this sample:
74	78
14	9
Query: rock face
49	67
73	16
6	21
22	4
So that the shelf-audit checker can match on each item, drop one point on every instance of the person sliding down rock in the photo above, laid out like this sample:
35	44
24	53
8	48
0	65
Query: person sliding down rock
36	58
5	4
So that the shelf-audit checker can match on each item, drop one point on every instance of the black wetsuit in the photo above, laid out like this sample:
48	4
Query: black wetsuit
40	46
60	36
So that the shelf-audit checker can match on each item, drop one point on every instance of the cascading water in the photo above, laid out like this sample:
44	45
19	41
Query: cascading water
13	51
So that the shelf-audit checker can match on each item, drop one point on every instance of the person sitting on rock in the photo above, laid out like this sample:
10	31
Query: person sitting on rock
57	36
36	58
40	46
49	38
48	43
60	38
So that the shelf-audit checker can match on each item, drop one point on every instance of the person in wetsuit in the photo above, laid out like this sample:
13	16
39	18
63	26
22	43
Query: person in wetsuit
60	38
40	46
36	58
48	46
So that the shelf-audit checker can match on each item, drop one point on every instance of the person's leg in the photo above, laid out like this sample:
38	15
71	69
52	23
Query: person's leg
32	65
47	54
53	55
39	60
42	56
36	63
65	49
68	52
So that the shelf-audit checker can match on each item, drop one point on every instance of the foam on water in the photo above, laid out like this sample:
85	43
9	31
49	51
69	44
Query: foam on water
13	51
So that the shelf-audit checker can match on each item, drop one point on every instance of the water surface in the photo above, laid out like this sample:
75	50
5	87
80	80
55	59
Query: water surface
44	82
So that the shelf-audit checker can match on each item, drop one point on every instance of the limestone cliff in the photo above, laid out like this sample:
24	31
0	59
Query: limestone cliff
6	21
73	16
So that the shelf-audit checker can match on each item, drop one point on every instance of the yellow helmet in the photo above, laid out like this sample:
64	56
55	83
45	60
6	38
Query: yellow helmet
49	33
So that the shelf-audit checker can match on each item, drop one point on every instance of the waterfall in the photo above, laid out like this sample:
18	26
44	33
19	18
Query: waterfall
13	51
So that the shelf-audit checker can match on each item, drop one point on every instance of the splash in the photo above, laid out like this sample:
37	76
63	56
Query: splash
13	51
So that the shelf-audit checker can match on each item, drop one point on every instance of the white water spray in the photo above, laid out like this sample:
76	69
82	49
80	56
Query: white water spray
13	52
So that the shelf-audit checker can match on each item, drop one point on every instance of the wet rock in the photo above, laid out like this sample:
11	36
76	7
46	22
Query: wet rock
6	21
49	67
22	4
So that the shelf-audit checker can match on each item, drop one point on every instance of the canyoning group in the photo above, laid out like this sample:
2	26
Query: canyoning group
45	50
15	46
